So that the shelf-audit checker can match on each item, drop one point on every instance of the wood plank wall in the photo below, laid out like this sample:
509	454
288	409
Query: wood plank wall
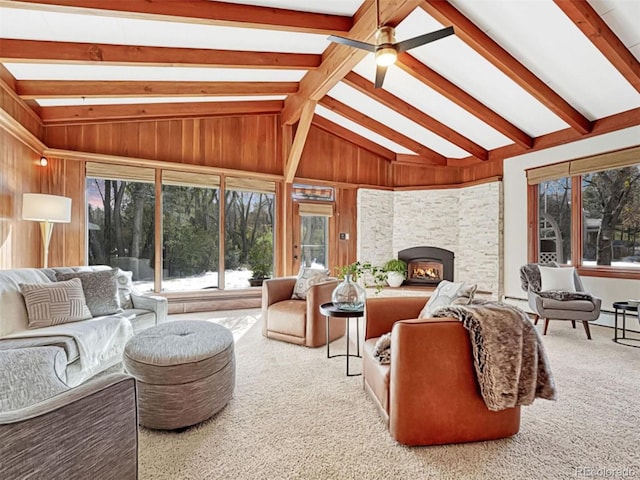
250	142
20	244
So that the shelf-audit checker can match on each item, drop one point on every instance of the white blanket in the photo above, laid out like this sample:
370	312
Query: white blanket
100	343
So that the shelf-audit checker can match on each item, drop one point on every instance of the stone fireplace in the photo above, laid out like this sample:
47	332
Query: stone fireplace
427	265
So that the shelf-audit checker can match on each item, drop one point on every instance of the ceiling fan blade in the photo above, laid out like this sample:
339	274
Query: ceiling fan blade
405	45
381	71
353	43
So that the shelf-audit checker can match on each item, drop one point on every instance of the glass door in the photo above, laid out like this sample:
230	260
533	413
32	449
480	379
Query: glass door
314	235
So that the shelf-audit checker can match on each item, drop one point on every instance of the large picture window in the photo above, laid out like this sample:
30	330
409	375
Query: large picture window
590	216
249	222
122	229
611	217
190	231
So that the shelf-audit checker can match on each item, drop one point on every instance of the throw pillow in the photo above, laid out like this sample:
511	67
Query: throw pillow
382	349
54	303
448	293
308	277
100	290
125	288
552	278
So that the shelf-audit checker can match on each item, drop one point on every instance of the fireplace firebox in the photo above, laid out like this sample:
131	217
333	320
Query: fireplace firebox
427	265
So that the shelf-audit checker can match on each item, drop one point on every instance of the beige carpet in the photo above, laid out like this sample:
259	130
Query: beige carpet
295	415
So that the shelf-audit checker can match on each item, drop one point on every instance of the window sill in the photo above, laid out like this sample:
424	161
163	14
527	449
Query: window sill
610	272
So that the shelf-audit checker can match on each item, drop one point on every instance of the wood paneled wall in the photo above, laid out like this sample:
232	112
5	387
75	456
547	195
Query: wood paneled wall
250	142
68	241
15	107
330	158
20	241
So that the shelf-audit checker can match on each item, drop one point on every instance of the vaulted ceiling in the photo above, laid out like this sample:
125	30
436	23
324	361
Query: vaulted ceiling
517	75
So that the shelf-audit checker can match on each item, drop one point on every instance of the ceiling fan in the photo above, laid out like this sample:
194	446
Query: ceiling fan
386	49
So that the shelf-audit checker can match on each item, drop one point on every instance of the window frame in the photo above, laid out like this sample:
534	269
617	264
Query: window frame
604	271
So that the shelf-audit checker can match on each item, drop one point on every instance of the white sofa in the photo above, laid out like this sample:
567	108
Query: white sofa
148	310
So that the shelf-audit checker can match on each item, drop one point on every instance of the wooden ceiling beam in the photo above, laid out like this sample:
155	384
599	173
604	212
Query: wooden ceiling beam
469	33
612	123
403	108
35	51
379	128
151	111
198	12
461	98
338	60
598	32
346	134
299	140
29	89
419	161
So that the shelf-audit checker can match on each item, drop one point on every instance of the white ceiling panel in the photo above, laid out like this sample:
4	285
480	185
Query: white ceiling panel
397	122
417	94
332	7
69	27
65	102
462	66
623	17
39	71
363	132
547	42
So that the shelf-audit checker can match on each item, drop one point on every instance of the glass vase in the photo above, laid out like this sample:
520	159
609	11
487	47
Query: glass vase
348	295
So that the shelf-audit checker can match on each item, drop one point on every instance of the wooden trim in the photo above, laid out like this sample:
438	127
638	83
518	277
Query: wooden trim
420	161
343	185
279	231
338	60
403	108
144	162
150	111
158	260
449	186
609	272
576	221
32	89
381	129
583	15
8	84
349	136
20	133
618	121
444	87
295	153
198	12
473	36
221	231
533	222
12	50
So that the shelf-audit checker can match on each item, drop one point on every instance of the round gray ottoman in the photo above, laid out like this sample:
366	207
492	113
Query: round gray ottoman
185	372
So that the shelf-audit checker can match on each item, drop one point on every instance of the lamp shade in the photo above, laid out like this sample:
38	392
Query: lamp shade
46	208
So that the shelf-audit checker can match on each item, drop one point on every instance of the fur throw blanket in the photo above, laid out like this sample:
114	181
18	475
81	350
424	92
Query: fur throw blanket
511	365
382	349
564	295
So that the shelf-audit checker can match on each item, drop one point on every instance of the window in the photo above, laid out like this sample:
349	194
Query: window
588	213
611	217
554	232
314	237
189	237
248	236
121	227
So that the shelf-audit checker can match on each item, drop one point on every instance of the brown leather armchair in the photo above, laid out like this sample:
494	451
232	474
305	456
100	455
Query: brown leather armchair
428	394
298	321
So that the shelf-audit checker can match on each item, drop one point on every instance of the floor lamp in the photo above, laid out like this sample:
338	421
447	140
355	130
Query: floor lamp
46	209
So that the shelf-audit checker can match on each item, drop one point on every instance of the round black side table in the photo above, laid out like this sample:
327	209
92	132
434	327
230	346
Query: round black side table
329	310
624	307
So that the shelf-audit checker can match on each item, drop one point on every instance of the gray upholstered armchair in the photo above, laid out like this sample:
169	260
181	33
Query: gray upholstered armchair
559	305
51	431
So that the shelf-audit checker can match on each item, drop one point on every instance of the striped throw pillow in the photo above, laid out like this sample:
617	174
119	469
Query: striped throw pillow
54	303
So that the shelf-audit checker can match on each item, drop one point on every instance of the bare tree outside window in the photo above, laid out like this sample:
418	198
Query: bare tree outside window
611	217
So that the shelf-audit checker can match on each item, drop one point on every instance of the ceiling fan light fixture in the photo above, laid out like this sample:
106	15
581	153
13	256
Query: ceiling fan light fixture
386	56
